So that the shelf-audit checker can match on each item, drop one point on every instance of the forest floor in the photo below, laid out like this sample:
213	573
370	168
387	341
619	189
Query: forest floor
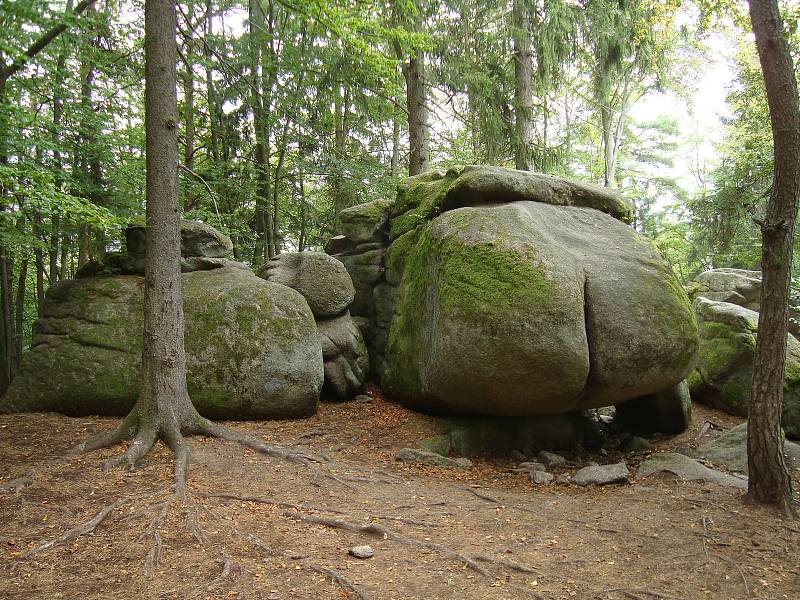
482	532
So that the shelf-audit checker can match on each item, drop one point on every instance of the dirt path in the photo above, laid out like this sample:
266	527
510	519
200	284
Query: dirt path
483	532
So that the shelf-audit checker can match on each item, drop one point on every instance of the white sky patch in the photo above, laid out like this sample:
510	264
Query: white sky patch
701	116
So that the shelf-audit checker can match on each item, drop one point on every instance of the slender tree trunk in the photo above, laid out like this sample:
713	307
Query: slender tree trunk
769	480
211	92
19	325
395	164
188	116
523	86
7	340
416	99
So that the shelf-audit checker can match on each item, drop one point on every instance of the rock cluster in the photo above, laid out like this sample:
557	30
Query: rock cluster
724	371
255	348
203	248
498	292
326	285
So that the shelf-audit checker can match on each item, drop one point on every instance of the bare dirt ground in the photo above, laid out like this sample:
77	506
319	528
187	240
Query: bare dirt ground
483	532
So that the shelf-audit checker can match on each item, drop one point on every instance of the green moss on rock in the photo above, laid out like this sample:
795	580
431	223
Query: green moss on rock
251	347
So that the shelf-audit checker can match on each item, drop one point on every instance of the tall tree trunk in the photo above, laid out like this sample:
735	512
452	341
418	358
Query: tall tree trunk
188	113
769	480
19	321
211	91
6	308
395	164
523	86
416	99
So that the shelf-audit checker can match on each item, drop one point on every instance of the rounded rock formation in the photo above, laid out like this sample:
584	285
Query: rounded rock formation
251	348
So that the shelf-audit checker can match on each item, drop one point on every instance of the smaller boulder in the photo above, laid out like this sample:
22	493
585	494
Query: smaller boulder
197	239
730	450
602	474
551	459
362	552
541	477
344	354
368	222
321	279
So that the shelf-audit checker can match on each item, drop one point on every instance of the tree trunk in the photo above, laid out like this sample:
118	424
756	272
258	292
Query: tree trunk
188	115
769	480
7	340
395	164
523	86
416	99
19	320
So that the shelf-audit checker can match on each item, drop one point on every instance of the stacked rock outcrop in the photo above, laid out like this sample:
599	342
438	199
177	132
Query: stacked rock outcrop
491	291
326	285
252	347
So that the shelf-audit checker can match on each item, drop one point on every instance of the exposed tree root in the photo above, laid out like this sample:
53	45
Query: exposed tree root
343	581
382	532
82	529
306	506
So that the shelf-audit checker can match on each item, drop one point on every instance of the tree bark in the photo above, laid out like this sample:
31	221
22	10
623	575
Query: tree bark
416	101
7	339
523	86
769	480
188	114
19	319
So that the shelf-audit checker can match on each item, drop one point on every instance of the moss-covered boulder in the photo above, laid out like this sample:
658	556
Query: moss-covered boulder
724	372
252	348
425	196
528	307
368	222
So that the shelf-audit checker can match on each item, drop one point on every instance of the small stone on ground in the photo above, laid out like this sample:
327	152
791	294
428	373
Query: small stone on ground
361	551
551	459
541	477
602	474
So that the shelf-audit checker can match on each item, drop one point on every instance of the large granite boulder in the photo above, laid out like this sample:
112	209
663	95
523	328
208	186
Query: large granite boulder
321	279
503	292
252	348
724	372
528	308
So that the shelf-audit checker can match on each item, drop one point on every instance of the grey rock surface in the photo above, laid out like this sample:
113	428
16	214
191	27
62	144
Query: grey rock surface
251	348
541	477
362	552
687	468
602	474
321	279
197	239
344	353
551	459
730	450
